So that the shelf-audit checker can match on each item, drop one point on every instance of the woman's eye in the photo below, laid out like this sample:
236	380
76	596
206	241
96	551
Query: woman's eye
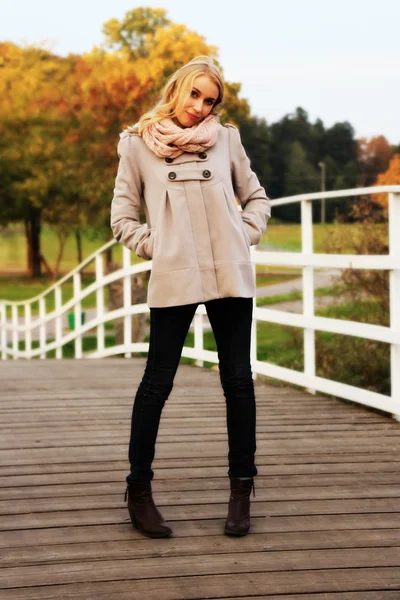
194	93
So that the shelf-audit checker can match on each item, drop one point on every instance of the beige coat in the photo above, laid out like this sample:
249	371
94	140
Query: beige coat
194	232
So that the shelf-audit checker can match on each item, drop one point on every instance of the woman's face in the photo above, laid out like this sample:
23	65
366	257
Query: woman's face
202	98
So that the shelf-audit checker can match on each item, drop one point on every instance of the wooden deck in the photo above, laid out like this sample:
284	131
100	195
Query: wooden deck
325	519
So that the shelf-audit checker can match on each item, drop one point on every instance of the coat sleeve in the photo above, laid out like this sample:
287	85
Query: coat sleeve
252	196
125	205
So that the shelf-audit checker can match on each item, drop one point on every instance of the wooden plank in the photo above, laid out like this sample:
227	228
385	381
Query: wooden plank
268	464
181	449
110	511
108	496
184	566
196	545
122	530
42	485
70	439
219	586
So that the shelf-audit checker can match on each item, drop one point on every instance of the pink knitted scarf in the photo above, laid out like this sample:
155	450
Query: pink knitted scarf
165	138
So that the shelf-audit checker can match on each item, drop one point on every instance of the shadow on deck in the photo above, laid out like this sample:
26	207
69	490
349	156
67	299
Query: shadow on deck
325	519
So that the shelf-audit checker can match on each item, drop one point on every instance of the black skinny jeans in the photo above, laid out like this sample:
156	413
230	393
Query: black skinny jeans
230	319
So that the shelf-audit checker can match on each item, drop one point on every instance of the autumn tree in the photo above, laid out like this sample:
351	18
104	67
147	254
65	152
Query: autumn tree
23	74
135	33
390	177
58	154
373	156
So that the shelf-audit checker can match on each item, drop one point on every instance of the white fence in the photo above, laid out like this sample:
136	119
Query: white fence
22	325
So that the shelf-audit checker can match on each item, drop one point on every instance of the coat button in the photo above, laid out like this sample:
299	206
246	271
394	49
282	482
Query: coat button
172	175
202	155
206	174
169	160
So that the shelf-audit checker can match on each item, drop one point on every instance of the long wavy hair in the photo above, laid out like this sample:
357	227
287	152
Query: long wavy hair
178	89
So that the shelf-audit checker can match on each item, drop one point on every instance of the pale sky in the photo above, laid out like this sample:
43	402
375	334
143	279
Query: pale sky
337	60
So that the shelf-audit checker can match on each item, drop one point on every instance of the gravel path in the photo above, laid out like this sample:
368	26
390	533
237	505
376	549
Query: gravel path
325	278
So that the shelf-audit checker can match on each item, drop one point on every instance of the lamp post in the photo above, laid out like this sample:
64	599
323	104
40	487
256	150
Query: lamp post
323	188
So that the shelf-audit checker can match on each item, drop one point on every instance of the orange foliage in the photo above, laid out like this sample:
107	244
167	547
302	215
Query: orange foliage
390	177
60	117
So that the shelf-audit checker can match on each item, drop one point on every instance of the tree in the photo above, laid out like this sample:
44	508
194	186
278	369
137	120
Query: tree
390	177
340	144
58	151
373	156
23	74
255	136
300	177
135	33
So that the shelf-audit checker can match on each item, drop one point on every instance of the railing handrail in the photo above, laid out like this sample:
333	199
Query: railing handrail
277	202
365	191
306	259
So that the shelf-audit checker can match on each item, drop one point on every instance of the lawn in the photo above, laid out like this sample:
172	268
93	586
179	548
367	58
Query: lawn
288	236
13	244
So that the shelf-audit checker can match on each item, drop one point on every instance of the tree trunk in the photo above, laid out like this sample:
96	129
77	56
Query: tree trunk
78	239
62	238
32	234
108	254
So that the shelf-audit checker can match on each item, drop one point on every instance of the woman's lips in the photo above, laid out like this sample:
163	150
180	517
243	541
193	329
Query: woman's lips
193	117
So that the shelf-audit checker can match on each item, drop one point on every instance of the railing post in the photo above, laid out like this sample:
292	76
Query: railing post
253	342
59	320
3	323
198	336
28	330
100	302
78	316
42	327
127	300
394	250
308	288
14	318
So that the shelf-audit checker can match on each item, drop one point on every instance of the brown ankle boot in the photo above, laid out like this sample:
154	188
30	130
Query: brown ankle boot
238	519
143	512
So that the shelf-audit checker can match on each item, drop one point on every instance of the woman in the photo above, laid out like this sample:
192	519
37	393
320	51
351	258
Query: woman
187	168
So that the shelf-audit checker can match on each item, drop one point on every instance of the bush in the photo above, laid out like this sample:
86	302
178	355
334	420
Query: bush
357	361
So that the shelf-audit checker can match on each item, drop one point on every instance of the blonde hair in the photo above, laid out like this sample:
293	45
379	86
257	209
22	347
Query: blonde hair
178	88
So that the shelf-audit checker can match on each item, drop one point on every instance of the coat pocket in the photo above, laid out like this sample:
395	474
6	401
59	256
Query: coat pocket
246	235
236	215
145	249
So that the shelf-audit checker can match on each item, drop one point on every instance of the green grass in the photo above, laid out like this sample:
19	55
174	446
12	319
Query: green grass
89	344
13	250
366	311
13	245
288	236
20	288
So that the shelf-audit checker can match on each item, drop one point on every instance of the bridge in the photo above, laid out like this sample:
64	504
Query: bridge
325	519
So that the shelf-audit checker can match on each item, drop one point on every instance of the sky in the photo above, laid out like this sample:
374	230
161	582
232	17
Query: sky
339	61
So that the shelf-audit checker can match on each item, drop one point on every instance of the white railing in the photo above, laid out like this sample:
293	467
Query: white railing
11	326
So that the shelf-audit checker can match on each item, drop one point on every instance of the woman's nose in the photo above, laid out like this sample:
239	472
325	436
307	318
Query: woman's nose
198	105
